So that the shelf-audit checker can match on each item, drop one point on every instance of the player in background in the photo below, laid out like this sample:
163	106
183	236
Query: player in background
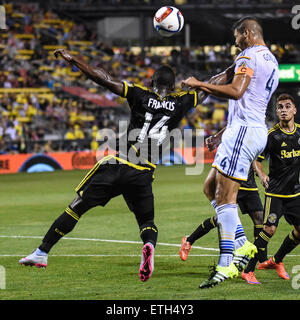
282	188
154	112
256	78
248	200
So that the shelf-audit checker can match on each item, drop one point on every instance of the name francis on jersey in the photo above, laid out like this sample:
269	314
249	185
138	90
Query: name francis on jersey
156	104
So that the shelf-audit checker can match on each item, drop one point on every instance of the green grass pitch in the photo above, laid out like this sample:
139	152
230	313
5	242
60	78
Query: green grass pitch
99	259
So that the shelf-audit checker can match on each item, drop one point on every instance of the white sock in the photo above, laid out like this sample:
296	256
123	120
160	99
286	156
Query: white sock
214	204
228	220
240	237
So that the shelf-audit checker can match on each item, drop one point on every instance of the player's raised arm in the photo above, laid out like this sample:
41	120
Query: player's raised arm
98	75
222	78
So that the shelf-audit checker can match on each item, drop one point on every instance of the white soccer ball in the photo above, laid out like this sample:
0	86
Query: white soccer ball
168	21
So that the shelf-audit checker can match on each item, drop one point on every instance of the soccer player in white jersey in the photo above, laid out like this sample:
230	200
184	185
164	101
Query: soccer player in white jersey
255	79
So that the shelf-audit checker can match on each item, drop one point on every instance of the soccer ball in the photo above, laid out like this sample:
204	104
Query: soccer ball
167	21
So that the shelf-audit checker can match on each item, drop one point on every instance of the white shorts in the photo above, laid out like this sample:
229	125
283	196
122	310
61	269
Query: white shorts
240	146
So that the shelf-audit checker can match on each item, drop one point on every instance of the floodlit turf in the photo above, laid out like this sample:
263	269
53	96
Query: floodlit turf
88	268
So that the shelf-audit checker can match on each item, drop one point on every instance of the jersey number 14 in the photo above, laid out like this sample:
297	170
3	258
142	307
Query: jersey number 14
157	132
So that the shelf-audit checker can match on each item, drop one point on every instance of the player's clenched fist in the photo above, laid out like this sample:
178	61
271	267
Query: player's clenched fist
191	82
212	142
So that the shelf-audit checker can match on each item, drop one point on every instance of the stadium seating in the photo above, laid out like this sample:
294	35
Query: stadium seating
38	95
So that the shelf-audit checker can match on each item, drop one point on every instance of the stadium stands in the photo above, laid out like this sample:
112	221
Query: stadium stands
47	105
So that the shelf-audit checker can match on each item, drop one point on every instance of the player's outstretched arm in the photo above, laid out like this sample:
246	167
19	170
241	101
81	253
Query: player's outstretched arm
264	178
98	75
233	90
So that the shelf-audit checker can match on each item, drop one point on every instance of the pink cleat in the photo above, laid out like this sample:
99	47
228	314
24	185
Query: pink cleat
147	262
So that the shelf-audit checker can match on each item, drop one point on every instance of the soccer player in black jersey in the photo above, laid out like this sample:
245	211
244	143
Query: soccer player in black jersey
248	200
154	112
282	188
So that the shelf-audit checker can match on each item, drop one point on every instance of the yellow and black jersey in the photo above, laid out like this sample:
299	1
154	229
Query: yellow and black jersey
143	101
153	117
283	151
250	184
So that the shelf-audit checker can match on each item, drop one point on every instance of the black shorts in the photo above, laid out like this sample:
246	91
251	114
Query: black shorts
276	207
106	181
249	201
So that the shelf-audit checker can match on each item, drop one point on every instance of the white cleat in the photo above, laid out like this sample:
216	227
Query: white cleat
40	261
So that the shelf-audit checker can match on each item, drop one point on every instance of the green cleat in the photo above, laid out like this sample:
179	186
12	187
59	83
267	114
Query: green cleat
219	274
243	255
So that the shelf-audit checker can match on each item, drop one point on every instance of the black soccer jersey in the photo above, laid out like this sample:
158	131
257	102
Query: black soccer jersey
153	117
250	184
283	151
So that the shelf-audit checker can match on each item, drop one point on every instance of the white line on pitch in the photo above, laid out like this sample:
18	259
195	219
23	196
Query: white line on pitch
124	255
111	255
106	240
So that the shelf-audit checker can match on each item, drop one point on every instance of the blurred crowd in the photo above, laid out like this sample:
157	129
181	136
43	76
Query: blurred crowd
37	114
173	2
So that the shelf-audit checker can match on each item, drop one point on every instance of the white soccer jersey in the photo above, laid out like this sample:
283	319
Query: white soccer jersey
261	65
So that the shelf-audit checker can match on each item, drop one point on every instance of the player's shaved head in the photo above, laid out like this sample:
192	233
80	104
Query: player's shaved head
164	76
249	23
248	32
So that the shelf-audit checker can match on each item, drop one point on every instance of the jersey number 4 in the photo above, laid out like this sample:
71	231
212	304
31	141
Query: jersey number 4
269	84
157	132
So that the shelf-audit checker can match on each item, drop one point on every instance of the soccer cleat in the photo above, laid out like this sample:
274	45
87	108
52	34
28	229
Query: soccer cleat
243	255
266	265
279	267
250	278
40	261
147	262
184	249
219	274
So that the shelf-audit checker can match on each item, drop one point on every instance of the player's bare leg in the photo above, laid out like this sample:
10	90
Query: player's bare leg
209	187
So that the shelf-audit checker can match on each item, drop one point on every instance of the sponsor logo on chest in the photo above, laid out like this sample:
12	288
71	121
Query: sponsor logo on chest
290	154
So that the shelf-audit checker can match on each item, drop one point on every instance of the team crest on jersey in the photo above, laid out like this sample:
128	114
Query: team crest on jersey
272	217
